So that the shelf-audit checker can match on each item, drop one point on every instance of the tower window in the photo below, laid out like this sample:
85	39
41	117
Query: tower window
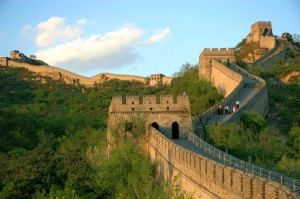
132	109
151	109
132	102
168	108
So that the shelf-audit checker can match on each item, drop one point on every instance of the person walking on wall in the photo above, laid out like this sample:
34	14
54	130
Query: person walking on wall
237	103
234	108
226	110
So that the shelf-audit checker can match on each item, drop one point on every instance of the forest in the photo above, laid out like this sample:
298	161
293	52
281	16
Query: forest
53	138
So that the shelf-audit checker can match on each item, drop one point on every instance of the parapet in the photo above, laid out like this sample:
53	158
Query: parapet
150	103
216	51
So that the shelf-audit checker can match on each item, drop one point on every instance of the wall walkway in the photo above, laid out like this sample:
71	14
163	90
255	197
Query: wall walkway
207	172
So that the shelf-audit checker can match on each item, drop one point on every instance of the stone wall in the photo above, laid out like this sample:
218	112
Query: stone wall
257	30
205	178
69	77
224	79
3	61
267	42
258	103
205	60
274	54
212	68
164	111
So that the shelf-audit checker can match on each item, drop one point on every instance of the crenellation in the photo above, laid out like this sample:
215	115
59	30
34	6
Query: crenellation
132	100
149	99
168	99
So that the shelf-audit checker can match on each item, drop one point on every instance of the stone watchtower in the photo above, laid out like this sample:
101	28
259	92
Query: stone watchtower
156	79
205	60
164	112
160	79
259	29
15	54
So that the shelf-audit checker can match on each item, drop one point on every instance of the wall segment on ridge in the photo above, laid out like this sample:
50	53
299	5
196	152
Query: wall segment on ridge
212	68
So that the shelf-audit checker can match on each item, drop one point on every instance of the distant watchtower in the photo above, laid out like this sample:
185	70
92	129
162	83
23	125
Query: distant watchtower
156	79
160	79
205	60
259	29
15	54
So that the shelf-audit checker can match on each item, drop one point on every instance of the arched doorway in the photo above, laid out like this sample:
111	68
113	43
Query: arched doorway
155	125
266	32
175	130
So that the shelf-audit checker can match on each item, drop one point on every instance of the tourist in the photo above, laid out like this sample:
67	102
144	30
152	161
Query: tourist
237	103
233	108
226	110
219	109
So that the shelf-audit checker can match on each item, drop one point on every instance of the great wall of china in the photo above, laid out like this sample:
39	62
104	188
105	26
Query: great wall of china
68	77
201	169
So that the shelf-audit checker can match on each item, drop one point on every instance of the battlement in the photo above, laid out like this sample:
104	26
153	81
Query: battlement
150	103
216	51
158	74
261	23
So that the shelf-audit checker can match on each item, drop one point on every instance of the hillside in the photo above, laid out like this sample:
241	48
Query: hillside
249	52
53	136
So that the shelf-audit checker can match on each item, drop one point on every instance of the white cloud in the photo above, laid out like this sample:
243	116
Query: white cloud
54	30
95	52
26	30
82	21
110	50
159	35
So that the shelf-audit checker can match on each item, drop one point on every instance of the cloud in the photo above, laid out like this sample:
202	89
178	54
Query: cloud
158	35
82	21
107	51
26	30
111	50
54	30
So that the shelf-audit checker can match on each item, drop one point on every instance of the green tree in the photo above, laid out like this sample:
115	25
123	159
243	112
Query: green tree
253	121
226	137
295	139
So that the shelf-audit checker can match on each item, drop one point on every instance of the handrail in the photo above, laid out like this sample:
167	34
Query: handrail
231	161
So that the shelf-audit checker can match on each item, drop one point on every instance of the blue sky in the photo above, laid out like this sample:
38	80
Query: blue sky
133	36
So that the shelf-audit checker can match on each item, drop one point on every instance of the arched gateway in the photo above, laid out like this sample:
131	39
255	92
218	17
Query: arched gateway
175	130
161	113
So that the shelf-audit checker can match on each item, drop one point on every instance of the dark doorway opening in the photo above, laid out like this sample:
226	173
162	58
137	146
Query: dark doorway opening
155	125
175	130
266	32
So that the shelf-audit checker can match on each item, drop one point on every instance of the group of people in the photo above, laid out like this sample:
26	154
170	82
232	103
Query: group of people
226	109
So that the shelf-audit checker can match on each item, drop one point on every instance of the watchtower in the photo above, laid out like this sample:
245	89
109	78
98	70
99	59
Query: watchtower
15	54
259	29
164	112
156	79
225	56
160	79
